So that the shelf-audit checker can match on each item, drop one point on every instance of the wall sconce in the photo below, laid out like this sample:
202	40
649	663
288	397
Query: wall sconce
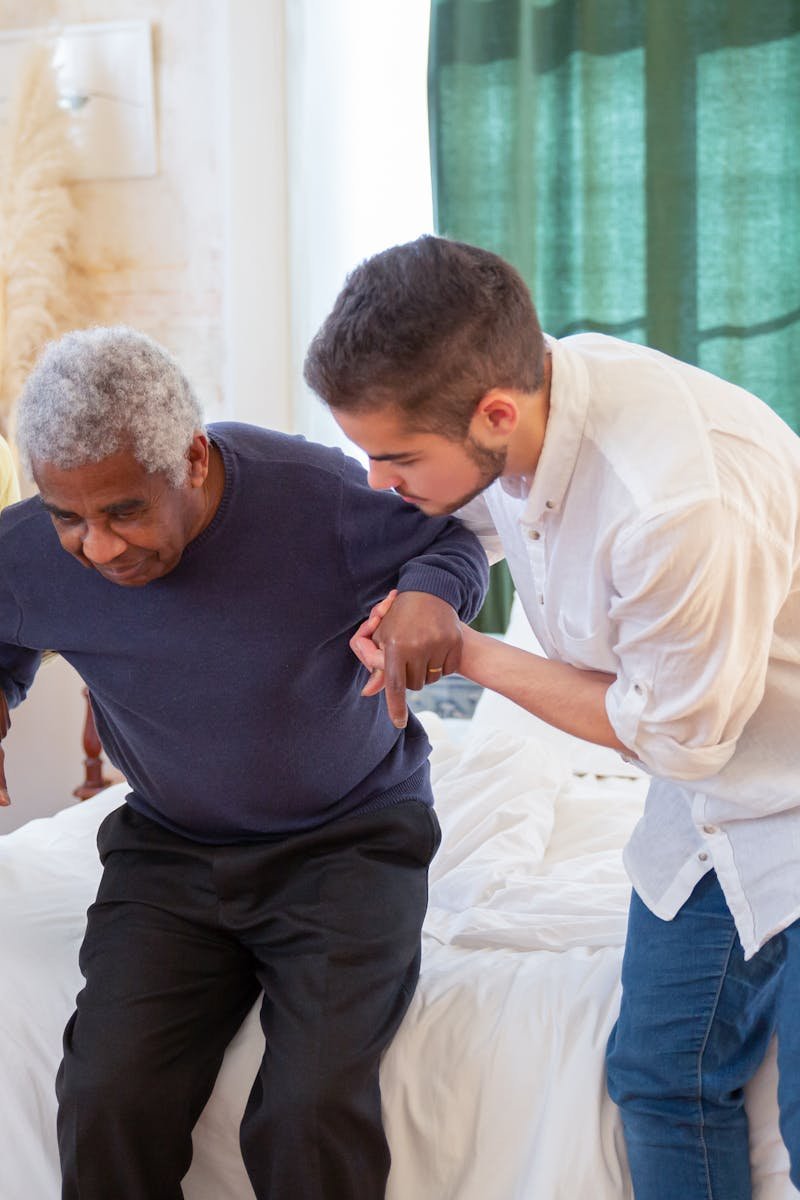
104	75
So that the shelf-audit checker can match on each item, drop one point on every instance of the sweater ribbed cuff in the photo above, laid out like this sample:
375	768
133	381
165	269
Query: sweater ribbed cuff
419	577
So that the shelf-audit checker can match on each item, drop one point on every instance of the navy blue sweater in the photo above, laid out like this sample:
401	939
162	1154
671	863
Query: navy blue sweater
226	691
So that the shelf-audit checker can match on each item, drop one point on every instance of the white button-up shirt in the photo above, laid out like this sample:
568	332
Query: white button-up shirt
659	540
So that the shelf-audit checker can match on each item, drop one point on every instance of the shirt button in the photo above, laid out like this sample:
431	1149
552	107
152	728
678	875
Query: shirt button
541	598
709	829
534	534
549	503
703	856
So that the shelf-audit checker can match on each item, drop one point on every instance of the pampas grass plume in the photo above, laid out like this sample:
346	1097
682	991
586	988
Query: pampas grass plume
37	225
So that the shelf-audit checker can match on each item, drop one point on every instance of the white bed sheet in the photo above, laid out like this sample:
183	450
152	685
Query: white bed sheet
494	1086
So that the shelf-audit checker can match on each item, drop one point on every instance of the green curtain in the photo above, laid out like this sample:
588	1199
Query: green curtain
639	162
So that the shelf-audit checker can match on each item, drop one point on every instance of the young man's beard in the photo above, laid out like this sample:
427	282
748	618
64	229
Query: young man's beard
490	463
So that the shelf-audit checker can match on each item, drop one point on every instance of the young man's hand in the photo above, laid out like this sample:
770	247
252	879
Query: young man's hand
408	640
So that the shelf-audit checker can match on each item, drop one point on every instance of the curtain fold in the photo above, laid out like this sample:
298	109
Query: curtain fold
639	162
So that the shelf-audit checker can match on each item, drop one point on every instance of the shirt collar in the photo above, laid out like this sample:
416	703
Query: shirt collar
566	420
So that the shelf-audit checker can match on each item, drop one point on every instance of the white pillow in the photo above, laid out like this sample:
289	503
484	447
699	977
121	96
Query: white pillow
496	712
495	797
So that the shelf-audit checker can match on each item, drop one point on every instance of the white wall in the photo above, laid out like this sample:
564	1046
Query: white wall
44	757
149	251
359	173
252	138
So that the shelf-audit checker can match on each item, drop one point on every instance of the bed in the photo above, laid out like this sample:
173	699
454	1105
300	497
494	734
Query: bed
494	1087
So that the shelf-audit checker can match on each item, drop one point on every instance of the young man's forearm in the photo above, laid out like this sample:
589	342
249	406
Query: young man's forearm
567	697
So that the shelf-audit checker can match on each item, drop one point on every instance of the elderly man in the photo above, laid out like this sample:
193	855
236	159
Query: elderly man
650	515
205	584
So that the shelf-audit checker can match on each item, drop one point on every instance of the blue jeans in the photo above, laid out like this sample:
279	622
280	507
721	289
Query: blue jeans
694	1025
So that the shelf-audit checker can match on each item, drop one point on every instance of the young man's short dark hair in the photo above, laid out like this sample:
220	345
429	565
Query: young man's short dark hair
430	327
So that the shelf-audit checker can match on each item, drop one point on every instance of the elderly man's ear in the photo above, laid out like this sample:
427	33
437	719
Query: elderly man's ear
199	455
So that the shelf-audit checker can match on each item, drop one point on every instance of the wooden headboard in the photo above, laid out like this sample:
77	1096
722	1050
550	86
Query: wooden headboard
94	777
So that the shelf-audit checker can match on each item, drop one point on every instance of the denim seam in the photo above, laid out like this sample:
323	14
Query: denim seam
712	1015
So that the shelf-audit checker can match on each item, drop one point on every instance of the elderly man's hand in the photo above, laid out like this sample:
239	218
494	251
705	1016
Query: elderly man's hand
408	640
366	651
5	723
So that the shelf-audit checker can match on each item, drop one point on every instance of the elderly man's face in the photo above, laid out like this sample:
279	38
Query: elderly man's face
129	525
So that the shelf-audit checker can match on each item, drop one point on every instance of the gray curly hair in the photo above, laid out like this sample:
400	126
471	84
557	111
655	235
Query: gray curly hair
95	392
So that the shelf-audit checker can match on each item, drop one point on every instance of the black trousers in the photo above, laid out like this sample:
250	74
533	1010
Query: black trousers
181	940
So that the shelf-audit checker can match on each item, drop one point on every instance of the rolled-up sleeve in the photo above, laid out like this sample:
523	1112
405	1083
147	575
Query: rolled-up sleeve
696	594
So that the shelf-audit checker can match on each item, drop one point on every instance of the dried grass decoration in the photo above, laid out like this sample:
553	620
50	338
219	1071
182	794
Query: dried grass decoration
37	226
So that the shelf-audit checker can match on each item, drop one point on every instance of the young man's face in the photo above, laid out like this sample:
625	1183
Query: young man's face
437	474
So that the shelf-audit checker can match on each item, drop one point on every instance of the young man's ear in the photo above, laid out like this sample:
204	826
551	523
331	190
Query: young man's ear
496	416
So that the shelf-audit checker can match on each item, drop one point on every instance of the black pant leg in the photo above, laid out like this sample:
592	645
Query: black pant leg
165	992
338	958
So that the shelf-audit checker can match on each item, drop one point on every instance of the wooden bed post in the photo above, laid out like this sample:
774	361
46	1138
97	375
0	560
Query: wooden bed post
93	781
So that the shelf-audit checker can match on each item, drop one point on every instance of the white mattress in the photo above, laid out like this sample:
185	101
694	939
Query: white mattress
494	1086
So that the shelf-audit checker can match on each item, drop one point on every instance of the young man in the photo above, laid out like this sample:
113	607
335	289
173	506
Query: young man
205	585
650	515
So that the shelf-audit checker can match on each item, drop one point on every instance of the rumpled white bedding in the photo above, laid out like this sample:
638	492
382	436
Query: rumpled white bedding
494	1086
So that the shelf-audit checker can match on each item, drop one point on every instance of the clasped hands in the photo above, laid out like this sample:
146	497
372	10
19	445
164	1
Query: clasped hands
409	639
